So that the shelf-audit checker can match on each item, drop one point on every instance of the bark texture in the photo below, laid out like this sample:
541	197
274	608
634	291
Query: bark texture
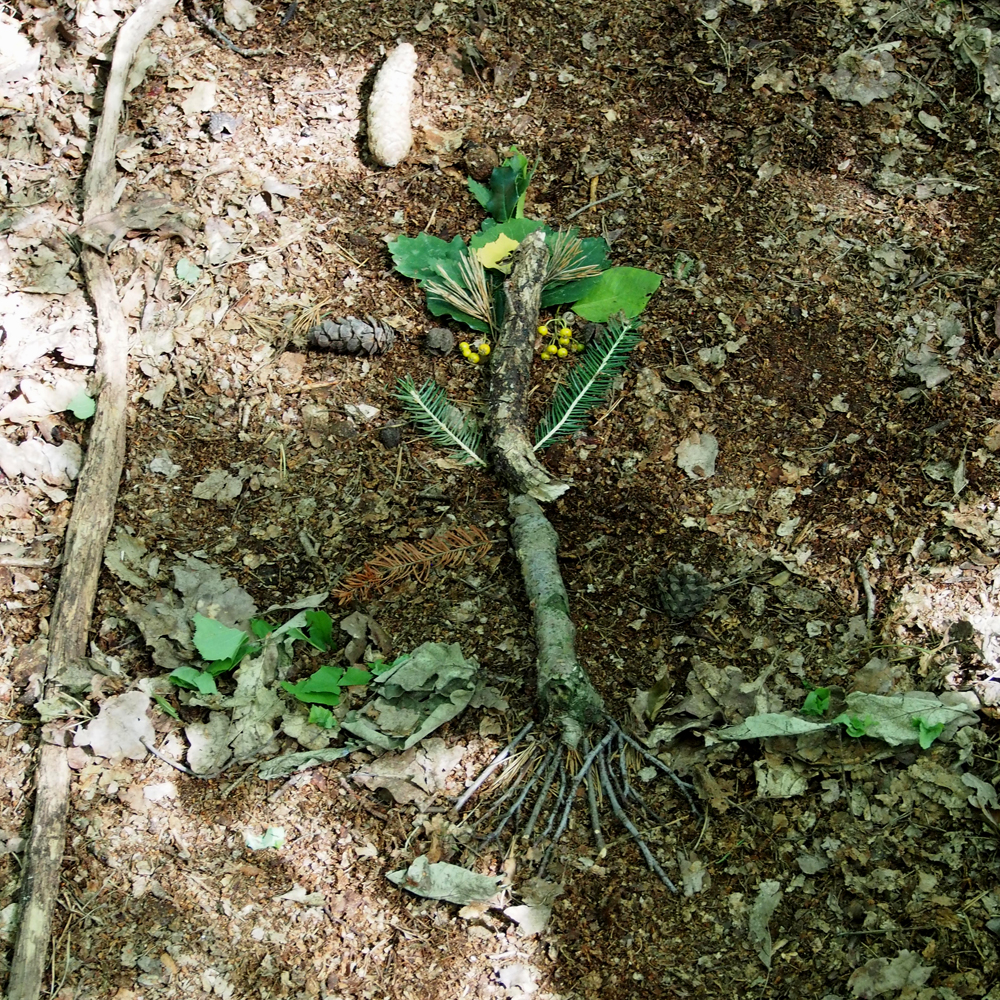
508	444
563	685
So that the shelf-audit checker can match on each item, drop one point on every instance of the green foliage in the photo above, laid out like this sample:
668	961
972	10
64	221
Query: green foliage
193	679
504	197
322	717
817	702
515	229
319	633
82	406
587	385
928	733
323	687
419	256
620	289
166	707
443	423
187	272
855	725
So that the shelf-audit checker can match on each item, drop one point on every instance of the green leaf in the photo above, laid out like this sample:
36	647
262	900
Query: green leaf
856	725
817	702
322	688
165	705
928	733
82	406
508	184
322	717
480	192
320	630
192	679
215	641
260	628
443	423
588	384
560	292
273	836
187	272
619	289
418	256
355	676
515	229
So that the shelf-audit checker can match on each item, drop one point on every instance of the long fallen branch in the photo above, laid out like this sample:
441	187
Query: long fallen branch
86	534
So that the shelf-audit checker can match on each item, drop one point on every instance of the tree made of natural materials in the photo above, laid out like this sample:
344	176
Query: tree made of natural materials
565	691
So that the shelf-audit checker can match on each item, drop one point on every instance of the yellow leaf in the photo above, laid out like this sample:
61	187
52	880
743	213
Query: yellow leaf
493	253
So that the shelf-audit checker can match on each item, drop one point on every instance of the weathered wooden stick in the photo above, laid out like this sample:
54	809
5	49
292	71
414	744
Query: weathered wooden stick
508	446
86	534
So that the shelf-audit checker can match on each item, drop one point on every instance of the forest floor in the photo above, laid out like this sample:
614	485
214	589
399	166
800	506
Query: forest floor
825	222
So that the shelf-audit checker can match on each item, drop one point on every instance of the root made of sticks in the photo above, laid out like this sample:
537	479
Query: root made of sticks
532	794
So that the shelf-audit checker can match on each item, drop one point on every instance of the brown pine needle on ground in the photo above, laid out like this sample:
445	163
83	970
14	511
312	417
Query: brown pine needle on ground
456	547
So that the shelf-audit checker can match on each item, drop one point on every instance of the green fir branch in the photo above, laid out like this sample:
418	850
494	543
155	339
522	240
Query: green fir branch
587	385
429	408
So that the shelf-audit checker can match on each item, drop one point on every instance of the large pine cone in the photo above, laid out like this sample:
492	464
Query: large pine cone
683	591
351	335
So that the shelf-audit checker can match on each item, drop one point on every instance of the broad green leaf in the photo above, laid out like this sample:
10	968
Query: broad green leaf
493	254
516	229
322	717
187	272
561	292
215	641
82	406
927	733
193	679
355	675
418	256
320	630
619	289
322	688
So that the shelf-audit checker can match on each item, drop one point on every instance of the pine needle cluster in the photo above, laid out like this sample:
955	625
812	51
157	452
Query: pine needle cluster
456	547
471	292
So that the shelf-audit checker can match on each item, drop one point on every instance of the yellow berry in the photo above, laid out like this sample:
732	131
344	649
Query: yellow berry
562	352
565	332
484	349
473	357
545	356
544	331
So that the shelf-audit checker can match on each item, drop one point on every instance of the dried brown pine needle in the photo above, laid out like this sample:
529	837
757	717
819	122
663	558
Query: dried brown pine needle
456	547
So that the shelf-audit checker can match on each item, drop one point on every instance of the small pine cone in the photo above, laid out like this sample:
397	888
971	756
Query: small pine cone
683	590
353	336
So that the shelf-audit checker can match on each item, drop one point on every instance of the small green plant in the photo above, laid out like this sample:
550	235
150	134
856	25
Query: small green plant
817	702
928	733
855	725
324	686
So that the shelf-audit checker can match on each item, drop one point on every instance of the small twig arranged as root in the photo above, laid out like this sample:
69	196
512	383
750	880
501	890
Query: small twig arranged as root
208	23
549	785
456	547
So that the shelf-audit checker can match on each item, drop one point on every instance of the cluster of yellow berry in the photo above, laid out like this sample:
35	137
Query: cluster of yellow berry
560	345
474	352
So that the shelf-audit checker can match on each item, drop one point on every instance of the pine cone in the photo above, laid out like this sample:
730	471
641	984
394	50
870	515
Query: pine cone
351	335
683	590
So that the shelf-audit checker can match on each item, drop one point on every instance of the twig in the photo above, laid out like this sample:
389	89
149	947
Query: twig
594	204
496	762
208	23
867	587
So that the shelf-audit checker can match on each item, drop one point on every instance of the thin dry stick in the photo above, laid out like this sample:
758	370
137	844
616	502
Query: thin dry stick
86	535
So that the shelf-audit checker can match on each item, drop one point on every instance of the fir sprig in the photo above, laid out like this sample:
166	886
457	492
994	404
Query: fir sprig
443	423
588	383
